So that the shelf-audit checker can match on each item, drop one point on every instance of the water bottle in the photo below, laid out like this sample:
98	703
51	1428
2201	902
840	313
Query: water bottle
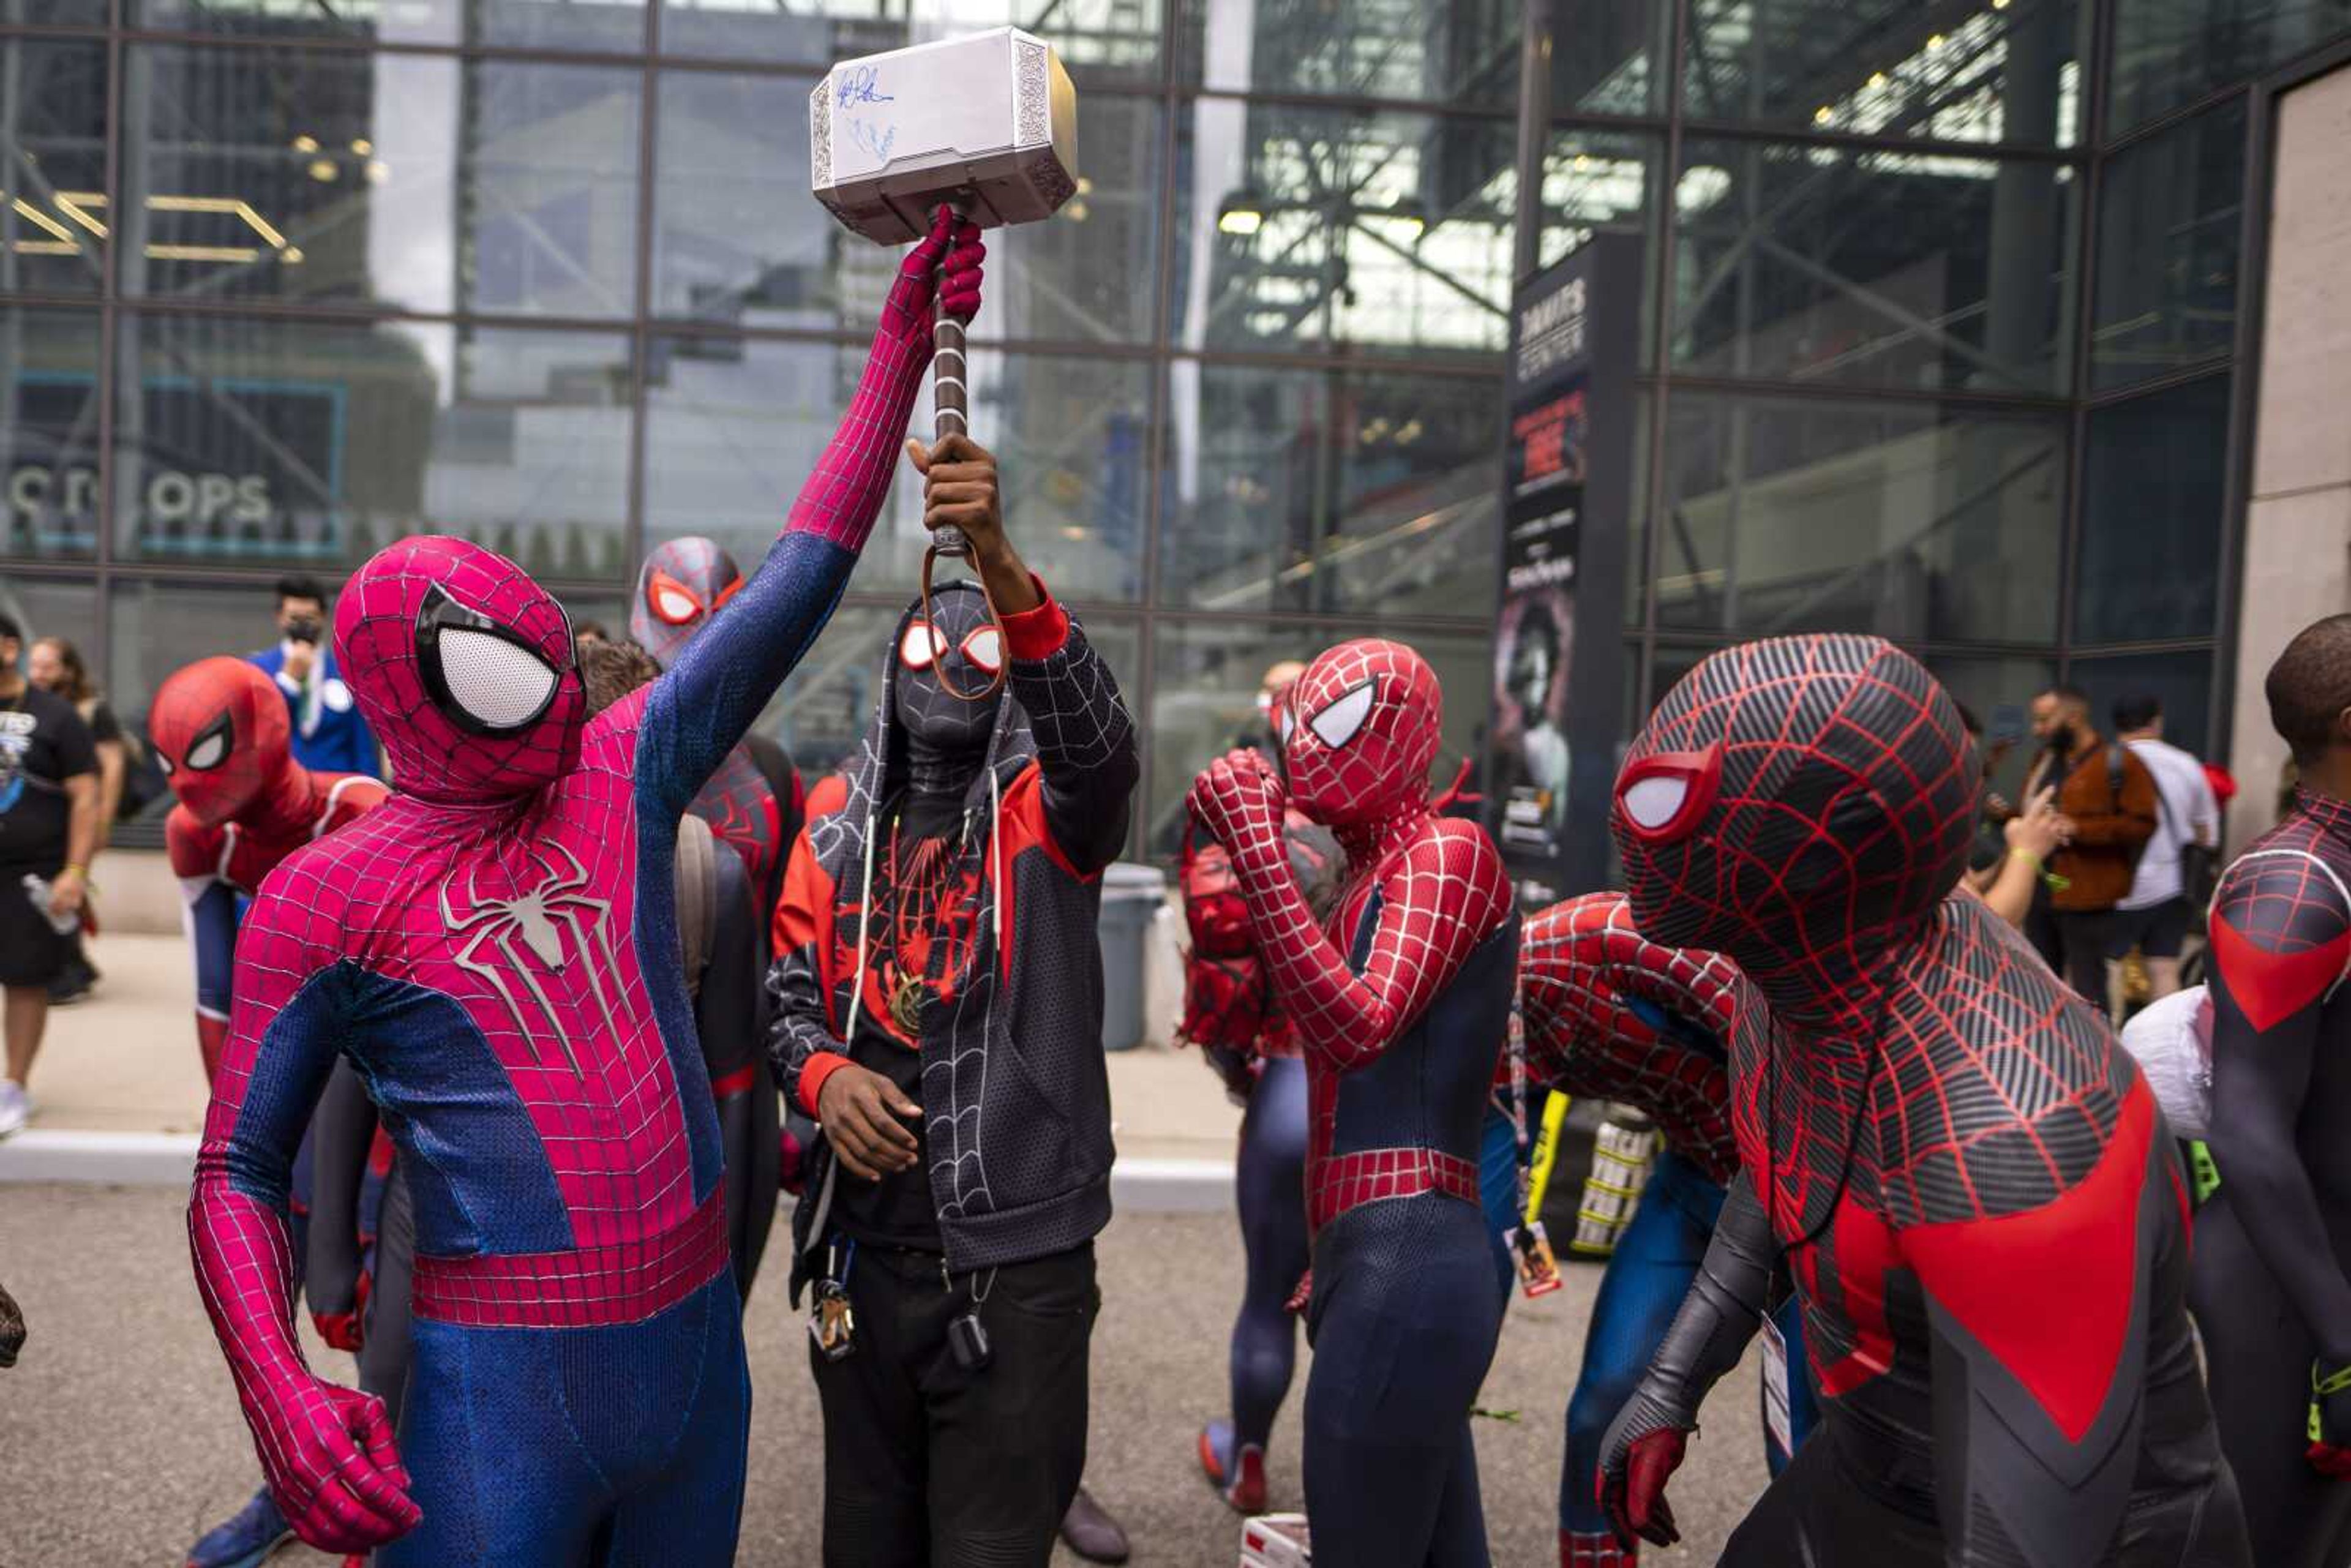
36	888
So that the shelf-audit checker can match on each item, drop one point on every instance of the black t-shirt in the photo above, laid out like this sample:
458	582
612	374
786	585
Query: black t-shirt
103	725
43	743
897	1210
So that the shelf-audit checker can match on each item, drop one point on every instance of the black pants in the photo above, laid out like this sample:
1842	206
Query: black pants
928	1464
2084	939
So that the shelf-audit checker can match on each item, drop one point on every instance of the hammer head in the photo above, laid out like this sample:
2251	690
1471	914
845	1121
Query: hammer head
990	121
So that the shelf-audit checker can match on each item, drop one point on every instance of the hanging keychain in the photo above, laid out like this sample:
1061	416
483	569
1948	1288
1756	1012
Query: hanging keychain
967	1335
1529	1244
832	1321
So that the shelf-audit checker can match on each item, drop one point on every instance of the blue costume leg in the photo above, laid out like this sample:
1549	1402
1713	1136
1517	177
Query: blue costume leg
1269	1189
553	1448
1497	1189
1651	1271
1405	1315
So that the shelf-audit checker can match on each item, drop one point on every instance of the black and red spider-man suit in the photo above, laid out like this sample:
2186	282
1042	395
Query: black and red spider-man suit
1970	1181
220	731
1402	1005
2272	1297
753	800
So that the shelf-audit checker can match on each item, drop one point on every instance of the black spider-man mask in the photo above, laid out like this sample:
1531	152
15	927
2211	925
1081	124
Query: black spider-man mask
1794	803
947	735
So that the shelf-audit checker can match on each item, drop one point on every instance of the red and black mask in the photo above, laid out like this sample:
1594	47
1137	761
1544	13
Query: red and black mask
682	584
221	733
1358	731
464	667
1794	803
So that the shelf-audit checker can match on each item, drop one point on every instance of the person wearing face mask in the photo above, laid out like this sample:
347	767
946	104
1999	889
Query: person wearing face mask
937	999
2106	810
331	735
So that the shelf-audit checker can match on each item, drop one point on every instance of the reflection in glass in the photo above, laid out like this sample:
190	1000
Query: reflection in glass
279	441
1464	53
1100	41
739	240
1890	68
159	627
1206	677
735	429
52	607
52	164
2182	683
1306	228
1873	269
1328	490
2152	489
49	431
1594	179
1913	521
615	26
2168	53
319	177
2169	213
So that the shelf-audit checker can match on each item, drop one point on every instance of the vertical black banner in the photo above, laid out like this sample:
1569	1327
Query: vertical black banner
1567	489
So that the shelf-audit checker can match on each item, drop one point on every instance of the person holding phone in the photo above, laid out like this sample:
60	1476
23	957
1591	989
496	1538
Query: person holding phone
330	734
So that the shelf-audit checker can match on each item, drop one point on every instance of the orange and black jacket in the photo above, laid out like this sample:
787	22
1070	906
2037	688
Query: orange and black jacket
1015	1097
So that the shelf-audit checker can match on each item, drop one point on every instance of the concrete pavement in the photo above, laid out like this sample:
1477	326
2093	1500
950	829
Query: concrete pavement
120	1439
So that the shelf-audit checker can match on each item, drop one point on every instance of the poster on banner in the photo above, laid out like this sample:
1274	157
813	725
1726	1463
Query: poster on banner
1566	475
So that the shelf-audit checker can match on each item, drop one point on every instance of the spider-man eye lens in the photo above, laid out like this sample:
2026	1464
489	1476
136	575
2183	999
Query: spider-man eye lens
921	645
1664	798
985	648
727	592
211	748
671	601
1283	723
1336	724
488	678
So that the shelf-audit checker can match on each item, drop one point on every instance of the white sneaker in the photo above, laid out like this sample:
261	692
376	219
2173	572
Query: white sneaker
15	1107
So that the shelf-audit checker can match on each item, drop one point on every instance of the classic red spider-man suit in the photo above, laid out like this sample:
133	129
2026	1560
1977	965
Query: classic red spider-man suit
495	951
219	729
1401	1006
1971	1184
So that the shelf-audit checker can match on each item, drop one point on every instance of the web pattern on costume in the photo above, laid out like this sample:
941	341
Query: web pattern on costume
705	573
1580	967
1921	1070
566	1188
1434	888
2281	924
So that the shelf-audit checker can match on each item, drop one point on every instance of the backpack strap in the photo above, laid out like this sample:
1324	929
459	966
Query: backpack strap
2115	774
697	897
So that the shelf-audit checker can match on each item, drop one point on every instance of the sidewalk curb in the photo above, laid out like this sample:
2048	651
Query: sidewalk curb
168	1159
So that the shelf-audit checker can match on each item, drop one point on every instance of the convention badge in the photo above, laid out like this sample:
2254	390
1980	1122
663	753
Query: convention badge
1777	1422
832	1323
1531	1253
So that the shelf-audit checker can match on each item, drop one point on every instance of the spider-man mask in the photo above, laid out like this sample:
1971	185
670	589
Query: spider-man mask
220	731
942	728
1793	798
1359	729
681	586
464	667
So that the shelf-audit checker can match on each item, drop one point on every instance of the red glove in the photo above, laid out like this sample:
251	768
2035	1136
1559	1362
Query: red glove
1238	802
1639	1455
346	1331
1303	1297
335	1471
944	266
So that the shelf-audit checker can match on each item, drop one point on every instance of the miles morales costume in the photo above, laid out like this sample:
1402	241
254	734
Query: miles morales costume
221	731
494	949
1612	1016
1402	1004
939	929
2273	1301
1232	1012
1969	1178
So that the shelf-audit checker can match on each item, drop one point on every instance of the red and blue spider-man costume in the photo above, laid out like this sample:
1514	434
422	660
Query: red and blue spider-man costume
1966	1176
221	732
1612	1016
1402	1005
495	951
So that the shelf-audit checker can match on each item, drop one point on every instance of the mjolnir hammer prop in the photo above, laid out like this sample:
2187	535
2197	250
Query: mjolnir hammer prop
987	124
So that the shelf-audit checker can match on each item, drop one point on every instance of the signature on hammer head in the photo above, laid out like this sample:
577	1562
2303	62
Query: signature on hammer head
861	83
